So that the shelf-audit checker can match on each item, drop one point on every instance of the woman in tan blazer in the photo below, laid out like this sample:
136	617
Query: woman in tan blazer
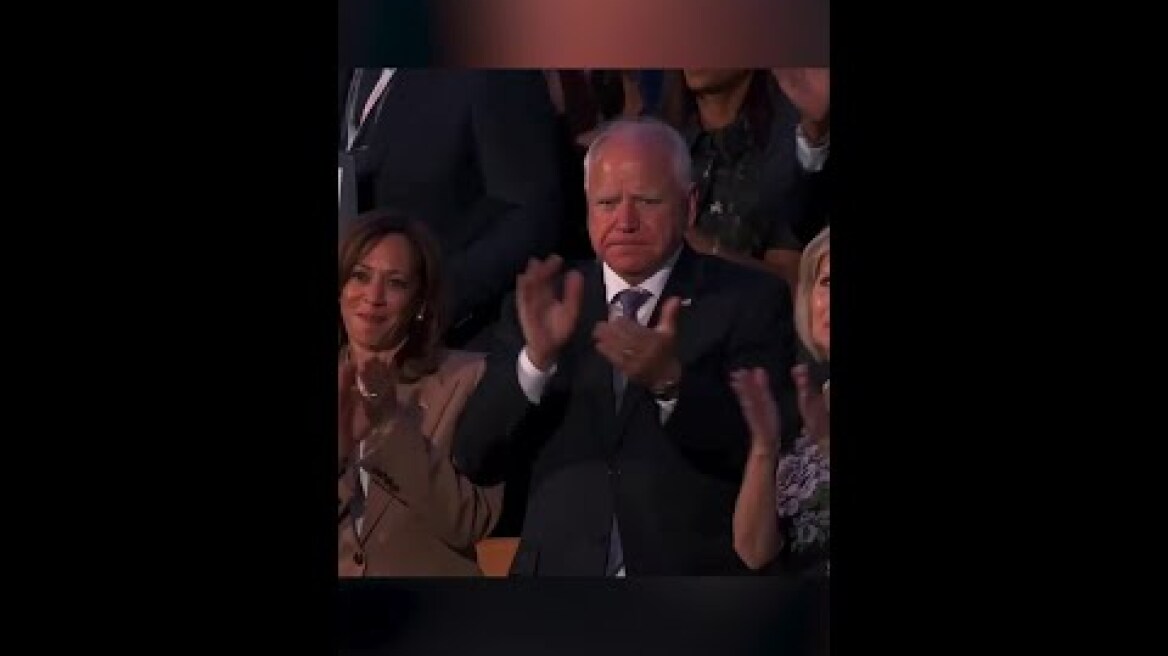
404	510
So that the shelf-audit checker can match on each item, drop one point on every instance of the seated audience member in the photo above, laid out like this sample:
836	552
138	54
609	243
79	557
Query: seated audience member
754	149
783	508
810	90
613	381
404	510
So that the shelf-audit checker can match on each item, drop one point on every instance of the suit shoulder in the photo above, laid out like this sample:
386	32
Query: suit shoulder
462	365
742	280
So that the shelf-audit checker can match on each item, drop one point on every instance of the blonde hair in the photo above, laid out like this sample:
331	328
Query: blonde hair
813	255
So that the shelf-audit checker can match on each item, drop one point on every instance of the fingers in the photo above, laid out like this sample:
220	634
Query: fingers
738	382
801	374
533	285
630	334
761	380
523	283
622	343
802	377
346	375
546	270
573	296
611	344
745	384
612	350
621	330
758	407
812	404
667	323
539	270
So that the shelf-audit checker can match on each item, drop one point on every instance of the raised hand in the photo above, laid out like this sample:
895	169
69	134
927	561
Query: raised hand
644	355
546	320
377	385
759	409
809	89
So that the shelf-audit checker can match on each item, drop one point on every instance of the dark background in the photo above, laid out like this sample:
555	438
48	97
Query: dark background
181	389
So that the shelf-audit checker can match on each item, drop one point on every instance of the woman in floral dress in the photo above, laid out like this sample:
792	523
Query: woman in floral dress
783	507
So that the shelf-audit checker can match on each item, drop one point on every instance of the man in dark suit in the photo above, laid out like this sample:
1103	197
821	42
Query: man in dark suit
469	153
612	381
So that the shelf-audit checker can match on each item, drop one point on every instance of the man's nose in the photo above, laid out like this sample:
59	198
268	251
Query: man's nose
626	217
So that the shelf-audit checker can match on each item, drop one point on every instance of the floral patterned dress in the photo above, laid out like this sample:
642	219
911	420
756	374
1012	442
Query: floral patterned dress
803	489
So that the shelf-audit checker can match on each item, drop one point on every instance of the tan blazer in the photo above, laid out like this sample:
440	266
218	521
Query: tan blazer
422	518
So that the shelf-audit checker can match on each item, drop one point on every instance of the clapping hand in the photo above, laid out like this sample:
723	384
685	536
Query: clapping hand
809	90
547	321
759	409
644	355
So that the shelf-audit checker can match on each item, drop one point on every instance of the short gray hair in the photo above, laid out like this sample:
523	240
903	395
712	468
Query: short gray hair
679	150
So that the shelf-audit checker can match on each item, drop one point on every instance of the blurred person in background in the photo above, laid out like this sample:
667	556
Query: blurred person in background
757	144
471	153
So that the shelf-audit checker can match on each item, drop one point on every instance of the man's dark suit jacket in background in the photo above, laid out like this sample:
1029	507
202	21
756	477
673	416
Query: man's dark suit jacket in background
472	155
818	202
672	486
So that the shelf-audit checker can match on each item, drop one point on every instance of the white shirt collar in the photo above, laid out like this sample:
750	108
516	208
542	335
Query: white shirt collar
655	284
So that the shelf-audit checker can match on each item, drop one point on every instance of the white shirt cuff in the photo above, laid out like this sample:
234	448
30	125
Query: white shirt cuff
811	158
532	380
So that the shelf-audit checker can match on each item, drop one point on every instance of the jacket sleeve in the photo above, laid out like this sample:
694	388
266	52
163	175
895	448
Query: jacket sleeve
498	416
421	472
707	410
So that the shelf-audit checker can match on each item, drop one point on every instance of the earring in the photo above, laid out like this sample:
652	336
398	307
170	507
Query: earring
421	314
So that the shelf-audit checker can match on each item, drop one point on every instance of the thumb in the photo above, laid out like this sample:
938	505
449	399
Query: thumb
802	377
573	294
346	375
667	322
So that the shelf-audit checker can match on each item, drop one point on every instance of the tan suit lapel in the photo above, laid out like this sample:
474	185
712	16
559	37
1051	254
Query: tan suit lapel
422	403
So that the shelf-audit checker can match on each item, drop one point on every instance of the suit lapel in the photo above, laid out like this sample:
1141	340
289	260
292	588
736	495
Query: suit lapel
430	397
346	79
382	115
377	500
684	283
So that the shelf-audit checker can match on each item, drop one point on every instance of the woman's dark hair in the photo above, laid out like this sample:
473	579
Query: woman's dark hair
418	356
679	109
